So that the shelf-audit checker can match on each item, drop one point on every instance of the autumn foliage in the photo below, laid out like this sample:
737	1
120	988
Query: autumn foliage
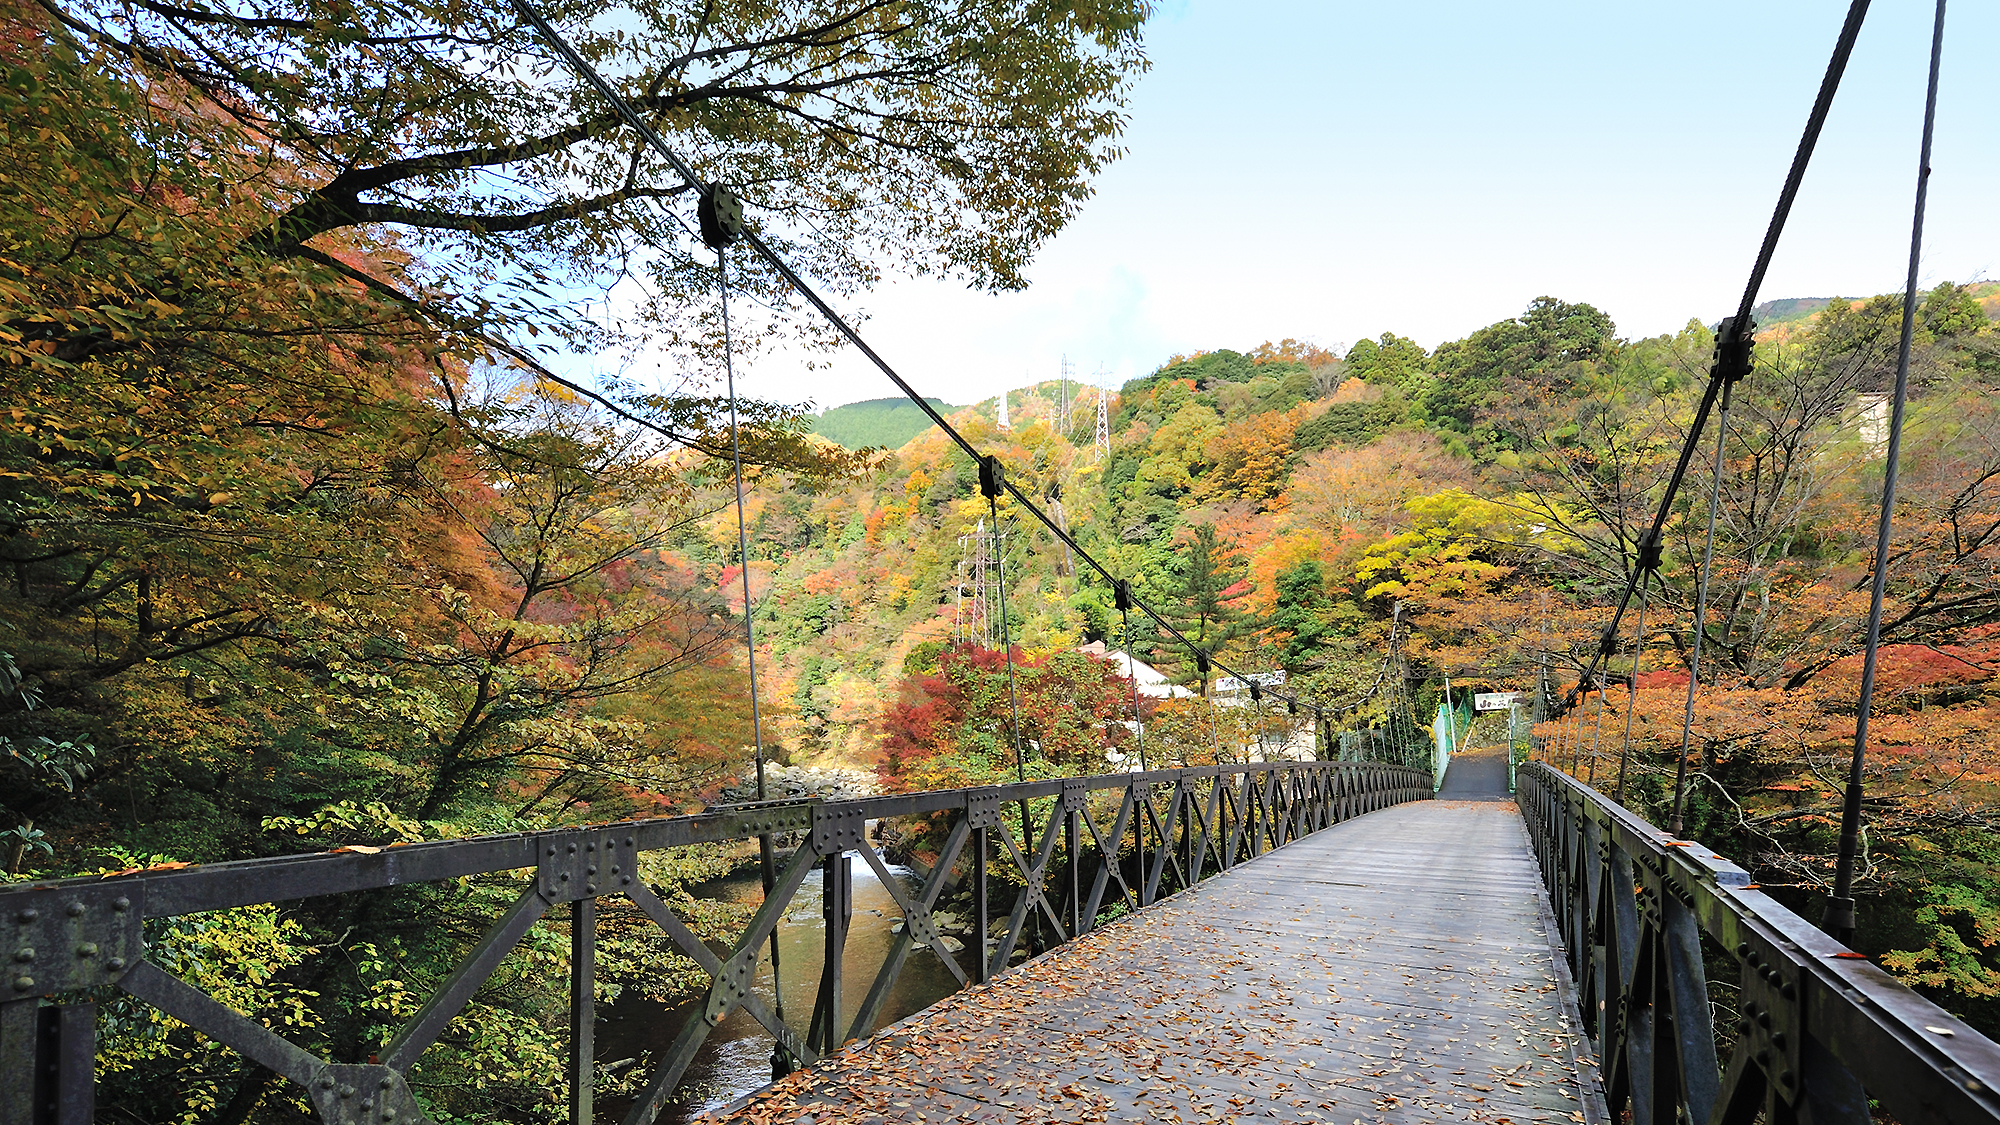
954	724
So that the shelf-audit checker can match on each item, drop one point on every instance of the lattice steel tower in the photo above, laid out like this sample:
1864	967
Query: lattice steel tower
978	586
1063	402
1103	437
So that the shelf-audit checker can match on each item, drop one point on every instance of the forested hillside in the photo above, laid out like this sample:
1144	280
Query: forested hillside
877	423
1277	503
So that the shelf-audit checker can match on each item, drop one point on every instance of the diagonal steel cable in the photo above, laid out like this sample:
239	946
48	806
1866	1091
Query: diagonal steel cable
1701	610
1732	350
639	125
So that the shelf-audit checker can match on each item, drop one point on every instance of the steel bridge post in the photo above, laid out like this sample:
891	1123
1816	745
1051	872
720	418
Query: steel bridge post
979	906
1073	873
582	1009
837	908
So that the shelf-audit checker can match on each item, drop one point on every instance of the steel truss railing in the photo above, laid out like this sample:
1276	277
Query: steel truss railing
1816	1031
1121	838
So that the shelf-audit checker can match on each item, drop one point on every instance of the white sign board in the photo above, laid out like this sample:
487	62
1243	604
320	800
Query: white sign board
1495	700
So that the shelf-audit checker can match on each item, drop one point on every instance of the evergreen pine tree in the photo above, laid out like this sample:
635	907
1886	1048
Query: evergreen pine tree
1201	602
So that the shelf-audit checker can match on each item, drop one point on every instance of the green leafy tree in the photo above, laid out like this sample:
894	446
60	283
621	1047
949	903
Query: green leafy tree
1546	347
1301	619
953	138
1393	361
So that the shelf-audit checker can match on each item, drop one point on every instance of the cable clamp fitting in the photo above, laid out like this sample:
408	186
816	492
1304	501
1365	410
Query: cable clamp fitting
721	215
1733	350
992	477
1121	596
1649	551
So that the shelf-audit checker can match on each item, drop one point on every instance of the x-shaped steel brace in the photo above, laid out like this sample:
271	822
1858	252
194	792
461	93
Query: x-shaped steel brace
1033	894
918	927
1163	831
730	988
1109	870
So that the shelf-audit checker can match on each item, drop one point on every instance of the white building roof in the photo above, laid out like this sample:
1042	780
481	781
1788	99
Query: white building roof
1152	682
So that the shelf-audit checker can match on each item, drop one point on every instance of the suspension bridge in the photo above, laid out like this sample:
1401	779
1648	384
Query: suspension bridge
1293	941
1416	932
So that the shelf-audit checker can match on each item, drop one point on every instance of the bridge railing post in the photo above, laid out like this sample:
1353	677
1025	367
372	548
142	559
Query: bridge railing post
582	1010
1073	868
981	919
836	911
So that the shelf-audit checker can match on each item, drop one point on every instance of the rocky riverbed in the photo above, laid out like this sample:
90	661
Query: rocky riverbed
797	783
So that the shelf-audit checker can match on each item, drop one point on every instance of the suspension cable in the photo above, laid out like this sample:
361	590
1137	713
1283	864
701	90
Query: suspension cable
1701	609
1006	627
1632	684
1122	595
767	858
1839	917
1733	347
635	121
1597	738
990	477
742	526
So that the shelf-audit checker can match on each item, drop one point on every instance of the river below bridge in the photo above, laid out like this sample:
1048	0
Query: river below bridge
736	1059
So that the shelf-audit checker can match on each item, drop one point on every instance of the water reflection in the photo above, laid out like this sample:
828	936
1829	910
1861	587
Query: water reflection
736	1059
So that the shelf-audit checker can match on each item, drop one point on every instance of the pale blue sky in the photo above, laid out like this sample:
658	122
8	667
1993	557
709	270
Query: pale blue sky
1331	171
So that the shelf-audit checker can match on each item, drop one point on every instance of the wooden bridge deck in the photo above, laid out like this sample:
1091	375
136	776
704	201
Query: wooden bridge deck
1396	968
